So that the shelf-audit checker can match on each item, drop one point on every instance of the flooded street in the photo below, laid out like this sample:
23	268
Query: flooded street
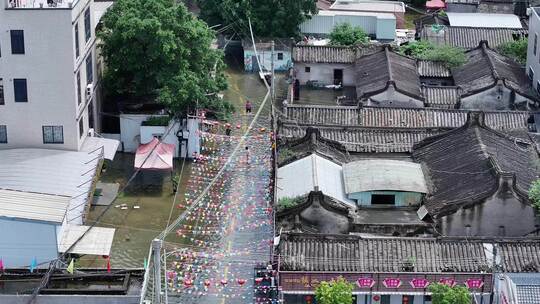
149	198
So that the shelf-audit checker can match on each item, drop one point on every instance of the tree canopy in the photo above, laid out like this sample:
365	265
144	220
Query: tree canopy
450	56
444	294
516	49
347	35
158	49
337	291
269	18
534	193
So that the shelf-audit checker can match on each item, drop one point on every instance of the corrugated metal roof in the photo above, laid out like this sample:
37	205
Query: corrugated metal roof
470	37
484	20
55	172
369	6
33	206
304	175
97	241
383	174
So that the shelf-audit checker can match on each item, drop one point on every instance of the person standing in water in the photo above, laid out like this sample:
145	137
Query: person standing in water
248	107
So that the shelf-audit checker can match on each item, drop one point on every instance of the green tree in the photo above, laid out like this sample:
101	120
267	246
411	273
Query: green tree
337	291
450	56
269	18
158	49
444	294
515	49
345	34
534	193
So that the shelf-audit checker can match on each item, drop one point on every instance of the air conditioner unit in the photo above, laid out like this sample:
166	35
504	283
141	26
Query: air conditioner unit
91	132
89	91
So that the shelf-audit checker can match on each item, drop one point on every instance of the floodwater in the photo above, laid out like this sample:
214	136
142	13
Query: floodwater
149	197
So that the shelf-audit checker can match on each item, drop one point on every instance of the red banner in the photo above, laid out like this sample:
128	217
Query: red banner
365	282
392	282
419	283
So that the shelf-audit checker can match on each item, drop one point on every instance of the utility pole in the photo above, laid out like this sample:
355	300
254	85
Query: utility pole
156	247
273	82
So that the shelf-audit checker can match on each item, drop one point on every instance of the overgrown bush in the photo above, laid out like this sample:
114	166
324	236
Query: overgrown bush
288	202
157	121
516	50
345	34
534	194
450	56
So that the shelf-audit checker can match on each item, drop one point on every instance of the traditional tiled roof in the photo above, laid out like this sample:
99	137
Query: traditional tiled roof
429	19
464	165
520	256
485	67
470	37
365	140
376	72
399	117
428	68
323	54
441	97
347	253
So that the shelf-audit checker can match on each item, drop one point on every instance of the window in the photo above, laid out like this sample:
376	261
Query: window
279	56
3	134
2	91
89	69
307	69
17	41
535	43
79	96
385	299
21	90
53	134
383	199
81	127
77	40
87	25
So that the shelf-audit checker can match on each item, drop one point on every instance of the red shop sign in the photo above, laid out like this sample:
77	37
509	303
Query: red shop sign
448	282
392	283
474	283
419	283
365	282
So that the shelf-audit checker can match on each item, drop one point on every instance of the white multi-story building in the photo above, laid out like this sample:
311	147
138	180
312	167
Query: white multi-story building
48	73
533	51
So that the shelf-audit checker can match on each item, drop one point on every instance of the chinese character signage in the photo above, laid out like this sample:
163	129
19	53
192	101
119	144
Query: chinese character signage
392	283
448	282
365	282
419	283
474	283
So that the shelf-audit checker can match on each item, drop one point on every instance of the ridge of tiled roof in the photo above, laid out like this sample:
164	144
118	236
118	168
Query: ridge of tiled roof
479	155
376	72
399	117
485	68
350	253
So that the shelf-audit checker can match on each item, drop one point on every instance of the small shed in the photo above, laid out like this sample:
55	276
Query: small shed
282	55
384	182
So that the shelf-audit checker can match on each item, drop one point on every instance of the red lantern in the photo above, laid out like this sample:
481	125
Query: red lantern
376	298
223	282
258	280
241	282
206	283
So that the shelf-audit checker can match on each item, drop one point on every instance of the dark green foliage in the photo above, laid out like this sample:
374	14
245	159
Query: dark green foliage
157	48
516	50
346	35
534	194
443	294
450	56
269	18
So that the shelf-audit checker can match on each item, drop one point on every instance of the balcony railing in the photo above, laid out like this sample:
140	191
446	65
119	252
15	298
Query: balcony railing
40	4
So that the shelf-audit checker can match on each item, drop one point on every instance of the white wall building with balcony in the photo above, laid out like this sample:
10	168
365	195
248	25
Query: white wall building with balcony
48	74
